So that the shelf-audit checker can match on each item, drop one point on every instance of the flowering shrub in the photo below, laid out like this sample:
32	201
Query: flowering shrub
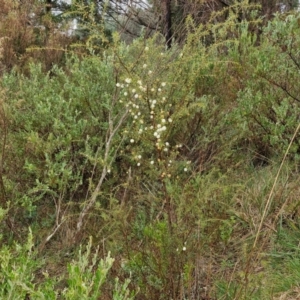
146	150
110	143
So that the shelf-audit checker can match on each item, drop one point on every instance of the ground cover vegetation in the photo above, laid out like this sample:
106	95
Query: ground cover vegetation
139	167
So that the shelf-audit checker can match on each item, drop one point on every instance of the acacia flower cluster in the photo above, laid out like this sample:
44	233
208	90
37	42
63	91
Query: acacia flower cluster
146	100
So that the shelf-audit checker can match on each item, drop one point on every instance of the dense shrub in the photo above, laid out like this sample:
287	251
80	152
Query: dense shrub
153	153
268	104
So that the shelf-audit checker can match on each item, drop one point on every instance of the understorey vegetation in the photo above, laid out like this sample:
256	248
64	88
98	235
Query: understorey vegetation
149	169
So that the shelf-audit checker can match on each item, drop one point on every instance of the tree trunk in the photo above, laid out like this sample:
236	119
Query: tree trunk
168	23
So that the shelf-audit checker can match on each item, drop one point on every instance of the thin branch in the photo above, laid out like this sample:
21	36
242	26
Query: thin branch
294	60
90	203
283	88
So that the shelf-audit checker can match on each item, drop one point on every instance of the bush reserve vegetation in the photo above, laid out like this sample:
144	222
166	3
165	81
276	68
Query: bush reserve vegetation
139	167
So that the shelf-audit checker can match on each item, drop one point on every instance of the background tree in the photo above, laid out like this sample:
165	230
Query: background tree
29	30
172	14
